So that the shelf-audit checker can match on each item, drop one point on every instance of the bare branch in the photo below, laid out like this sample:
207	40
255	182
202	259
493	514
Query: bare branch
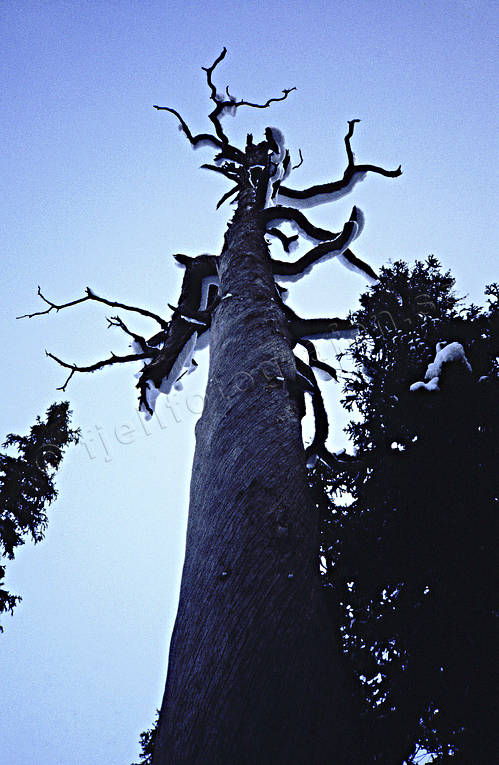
231	104
92	296
286	241
300	163
320	415
319	328
229	173
358	264
113	359
314	361
301	330
332	242
312	195
51	307
227	195
351	158
280	213
285	93
115	321
209	71
194	140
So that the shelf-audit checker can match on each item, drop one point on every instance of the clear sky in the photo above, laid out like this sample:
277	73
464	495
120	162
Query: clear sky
99	189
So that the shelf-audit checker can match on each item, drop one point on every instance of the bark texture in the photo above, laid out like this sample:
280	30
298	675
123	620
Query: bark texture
253	671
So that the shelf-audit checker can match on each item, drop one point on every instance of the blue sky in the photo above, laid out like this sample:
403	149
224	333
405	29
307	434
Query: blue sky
100	190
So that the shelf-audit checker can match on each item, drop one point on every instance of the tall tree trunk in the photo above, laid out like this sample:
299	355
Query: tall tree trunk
253	672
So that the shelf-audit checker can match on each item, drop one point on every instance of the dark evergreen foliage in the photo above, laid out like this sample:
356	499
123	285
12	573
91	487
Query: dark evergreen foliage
27	485
147	739
409	531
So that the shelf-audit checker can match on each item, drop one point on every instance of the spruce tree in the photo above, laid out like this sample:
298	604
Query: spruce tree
409	529
27	485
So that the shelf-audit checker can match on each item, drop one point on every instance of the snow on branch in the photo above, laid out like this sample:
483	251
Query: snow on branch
166	352
328	192
446	354
332	245
279	214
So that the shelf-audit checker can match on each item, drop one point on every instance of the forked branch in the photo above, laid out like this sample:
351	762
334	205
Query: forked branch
326	192
113	359
223	104
92	296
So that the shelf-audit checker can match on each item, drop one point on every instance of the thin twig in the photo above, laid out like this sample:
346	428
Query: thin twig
113	359
92	296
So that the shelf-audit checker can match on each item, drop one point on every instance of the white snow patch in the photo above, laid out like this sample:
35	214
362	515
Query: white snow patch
190	320
445	354
205	286
431	386
136	347
203	340
200	144
311	461
152	394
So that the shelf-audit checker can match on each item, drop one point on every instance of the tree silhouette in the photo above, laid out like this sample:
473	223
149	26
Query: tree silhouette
411	555
254	674
27	485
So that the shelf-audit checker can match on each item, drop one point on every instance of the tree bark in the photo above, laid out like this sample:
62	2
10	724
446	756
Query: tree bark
254	675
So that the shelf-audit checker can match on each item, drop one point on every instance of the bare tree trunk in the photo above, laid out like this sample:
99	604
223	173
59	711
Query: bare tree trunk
252	672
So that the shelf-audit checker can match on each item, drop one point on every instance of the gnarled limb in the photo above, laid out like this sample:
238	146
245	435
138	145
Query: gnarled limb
222	104
320	415
326	192
279	214
301	330
231	104
336	244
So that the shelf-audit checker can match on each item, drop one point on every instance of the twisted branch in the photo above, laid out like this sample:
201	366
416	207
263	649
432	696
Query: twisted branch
281	214
314	195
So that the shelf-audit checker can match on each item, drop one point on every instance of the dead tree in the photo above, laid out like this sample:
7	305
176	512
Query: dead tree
254	673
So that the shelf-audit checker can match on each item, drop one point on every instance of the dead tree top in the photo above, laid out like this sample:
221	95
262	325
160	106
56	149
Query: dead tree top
264	166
